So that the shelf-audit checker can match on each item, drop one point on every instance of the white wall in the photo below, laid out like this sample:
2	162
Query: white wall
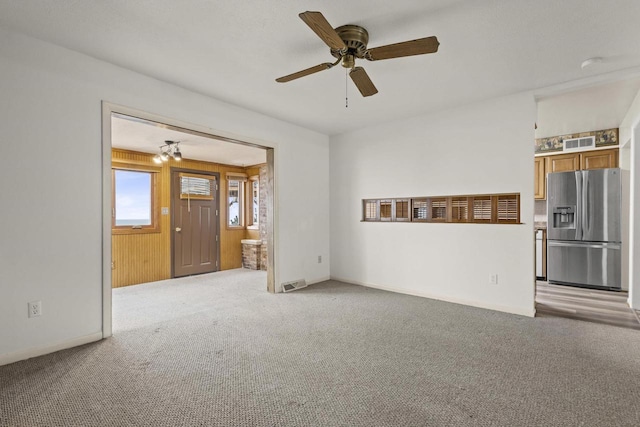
482	148
50	181
630	138
587	109
624	162
634	223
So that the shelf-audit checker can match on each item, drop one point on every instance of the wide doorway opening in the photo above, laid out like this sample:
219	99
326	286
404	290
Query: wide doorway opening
182	206
582	196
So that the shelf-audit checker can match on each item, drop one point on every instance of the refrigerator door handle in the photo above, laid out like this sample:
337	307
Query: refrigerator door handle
579	207
590	245
585	205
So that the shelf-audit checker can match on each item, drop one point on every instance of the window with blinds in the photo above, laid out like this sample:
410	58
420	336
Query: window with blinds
483	208
420	210
194	186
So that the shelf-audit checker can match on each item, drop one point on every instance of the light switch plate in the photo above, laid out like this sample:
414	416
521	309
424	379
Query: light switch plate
165	211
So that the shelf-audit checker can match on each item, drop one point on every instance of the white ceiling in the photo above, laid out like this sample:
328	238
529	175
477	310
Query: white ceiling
233	50
147	137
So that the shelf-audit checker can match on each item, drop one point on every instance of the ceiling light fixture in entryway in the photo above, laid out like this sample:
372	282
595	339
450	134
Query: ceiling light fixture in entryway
169	150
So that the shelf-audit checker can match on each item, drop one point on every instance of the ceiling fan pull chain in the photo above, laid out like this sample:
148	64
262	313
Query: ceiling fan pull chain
346	89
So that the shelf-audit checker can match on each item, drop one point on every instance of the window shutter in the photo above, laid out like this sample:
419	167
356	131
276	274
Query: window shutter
439	209
402	210
370	210
420	210
385	210
482	209
459	209
508	208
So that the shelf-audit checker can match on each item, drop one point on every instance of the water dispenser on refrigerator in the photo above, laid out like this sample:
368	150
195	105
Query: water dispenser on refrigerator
564	217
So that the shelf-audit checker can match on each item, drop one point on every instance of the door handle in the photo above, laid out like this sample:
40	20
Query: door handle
178	229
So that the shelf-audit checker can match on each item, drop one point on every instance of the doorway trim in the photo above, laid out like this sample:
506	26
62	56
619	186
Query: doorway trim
108	109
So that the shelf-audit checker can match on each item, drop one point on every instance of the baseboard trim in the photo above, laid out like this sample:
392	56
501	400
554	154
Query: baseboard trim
320	280
494	307
17	356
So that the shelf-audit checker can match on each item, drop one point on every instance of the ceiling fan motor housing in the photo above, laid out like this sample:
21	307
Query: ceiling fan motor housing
356	39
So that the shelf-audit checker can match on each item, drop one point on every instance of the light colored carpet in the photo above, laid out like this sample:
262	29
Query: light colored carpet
218	350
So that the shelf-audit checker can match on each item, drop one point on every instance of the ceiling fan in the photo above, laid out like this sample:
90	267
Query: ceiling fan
349	42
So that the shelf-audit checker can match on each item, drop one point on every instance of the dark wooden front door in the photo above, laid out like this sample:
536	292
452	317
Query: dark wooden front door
194	223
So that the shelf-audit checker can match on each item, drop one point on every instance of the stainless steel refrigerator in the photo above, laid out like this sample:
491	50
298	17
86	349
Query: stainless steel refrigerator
583	228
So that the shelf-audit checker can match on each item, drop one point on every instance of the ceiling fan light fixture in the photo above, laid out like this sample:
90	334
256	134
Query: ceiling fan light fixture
348	61
164	156
177	155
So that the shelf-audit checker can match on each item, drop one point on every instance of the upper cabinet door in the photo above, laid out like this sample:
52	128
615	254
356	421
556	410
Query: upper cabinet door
539	190
600	159
563	163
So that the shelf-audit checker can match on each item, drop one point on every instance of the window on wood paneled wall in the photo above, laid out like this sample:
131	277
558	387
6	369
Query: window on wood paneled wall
253	202
134	200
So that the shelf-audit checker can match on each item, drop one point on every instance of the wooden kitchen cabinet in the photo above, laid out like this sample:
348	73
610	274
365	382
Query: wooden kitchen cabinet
540	171
599	159
563	163
585	160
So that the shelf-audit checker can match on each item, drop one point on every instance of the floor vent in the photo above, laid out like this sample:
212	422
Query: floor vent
292	286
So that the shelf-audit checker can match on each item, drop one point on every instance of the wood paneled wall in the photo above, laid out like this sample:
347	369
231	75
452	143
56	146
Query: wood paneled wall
142	258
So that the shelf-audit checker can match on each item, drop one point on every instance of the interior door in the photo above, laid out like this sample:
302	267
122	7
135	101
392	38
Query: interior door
194	223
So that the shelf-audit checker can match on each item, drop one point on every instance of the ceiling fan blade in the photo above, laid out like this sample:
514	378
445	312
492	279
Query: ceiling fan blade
312	70
409	48
362	81
318	23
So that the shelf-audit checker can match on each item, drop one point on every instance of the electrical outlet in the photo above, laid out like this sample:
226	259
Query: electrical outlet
493	279
35	308
319	259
